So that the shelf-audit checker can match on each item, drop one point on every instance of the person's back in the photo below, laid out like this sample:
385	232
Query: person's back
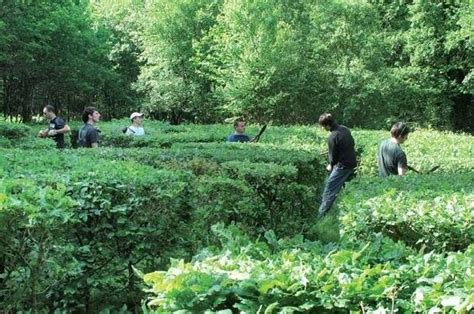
391	159
57	123
56	127
341	147
341	160
87	135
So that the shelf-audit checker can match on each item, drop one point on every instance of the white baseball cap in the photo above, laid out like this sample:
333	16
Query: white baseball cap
135	114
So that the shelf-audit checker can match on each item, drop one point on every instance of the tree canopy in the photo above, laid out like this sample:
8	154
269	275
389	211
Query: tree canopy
368	62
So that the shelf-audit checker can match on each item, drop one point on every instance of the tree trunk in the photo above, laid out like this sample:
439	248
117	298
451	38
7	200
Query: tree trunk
26	104
463	113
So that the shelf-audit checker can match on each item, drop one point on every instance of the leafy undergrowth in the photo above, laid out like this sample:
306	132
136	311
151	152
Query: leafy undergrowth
287	276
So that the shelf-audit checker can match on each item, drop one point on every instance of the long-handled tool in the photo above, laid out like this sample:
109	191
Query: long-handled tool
257	138
419	172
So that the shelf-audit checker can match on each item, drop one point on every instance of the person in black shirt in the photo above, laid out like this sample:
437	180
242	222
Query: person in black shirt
88	134
57	127
342	160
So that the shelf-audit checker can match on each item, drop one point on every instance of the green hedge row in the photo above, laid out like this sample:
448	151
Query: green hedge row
21	136
75	225
433	211
425	148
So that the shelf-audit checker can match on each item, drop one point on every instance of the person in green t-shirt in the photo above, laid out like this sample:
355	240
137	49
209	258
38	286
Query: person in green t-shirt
391	159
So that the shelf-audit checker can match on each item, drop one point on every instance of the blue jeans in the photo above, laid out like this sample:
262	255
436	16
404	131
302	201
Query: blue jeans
334	184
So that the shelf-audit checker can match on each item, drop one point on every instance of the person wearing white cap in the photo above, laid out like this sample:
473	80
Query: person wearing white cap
136	127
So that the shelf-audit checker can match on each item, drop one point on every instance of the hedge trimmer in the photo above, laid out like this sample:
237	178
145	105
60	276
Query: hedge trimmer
427	172
257	138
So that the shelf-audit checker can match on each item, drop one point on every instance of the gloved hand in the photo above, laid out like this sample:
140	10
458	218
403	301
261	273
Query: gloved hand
52	132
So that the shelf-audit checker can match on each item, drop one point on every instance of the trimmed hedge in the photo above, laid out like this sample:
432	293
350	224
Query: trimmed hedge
124	214
433	211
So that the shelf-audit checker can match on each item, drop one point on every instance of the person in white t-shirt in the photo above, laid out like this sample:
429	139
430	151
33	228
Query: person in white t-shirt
136	127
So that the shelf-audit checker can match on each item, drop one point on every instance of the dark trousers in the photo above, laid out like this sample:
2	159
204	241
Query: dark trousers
334	184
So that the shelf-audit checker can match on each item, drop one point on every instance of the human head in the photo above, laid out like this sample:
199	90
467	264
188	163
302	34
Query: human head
90	114
400	131
239	126
326	121
49	112
136	118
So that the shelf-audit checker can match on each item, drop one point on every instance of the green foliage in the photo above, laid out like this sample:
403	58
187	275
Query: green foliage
432	211
368	62
15	135
14	131
55	53
168	79
35	254
139	210
103	216
292	275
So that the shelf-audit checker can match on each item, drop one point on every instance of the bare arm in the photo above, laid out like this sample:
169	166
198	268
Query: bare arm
402	165
63	130
43	133
59	131
402	171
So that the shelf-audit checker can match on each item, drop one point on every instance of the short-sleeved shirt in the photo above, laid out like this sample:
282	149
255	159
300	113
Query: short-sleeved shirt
390	157
57	124
238	138
133	130
88	134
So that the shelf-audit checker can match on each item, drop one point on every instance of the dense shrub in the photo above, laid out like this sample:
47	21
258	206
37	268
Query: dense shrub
96	215
14	131
36	255
433	211
126	214
296	276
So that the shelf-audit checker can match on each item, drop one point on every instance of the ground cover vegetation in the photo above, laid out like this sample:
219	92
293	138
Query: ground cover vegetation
202	225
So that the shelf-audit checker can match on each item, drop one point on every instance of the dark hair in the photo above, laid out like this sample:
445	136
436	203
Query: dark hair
237	121
50	108
326	119
399	129
88	111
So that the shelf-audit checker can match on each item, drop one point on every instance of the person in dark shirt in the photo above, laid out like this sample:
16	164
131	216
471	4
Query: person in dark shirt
342	160
239	135
56	128
88	134
391	159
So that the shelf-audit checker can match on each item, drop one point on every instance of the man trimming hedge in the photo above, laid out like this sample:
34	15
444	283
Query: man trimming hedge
391	159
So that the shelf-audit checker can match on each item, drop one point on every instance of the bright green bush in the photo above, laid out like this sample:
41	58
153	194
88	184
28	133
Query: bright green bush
424	149
128	214
296	276
434	211
36	255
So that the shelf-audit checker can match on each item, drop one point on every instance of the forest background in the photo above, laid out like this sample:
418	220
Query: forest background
368	62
